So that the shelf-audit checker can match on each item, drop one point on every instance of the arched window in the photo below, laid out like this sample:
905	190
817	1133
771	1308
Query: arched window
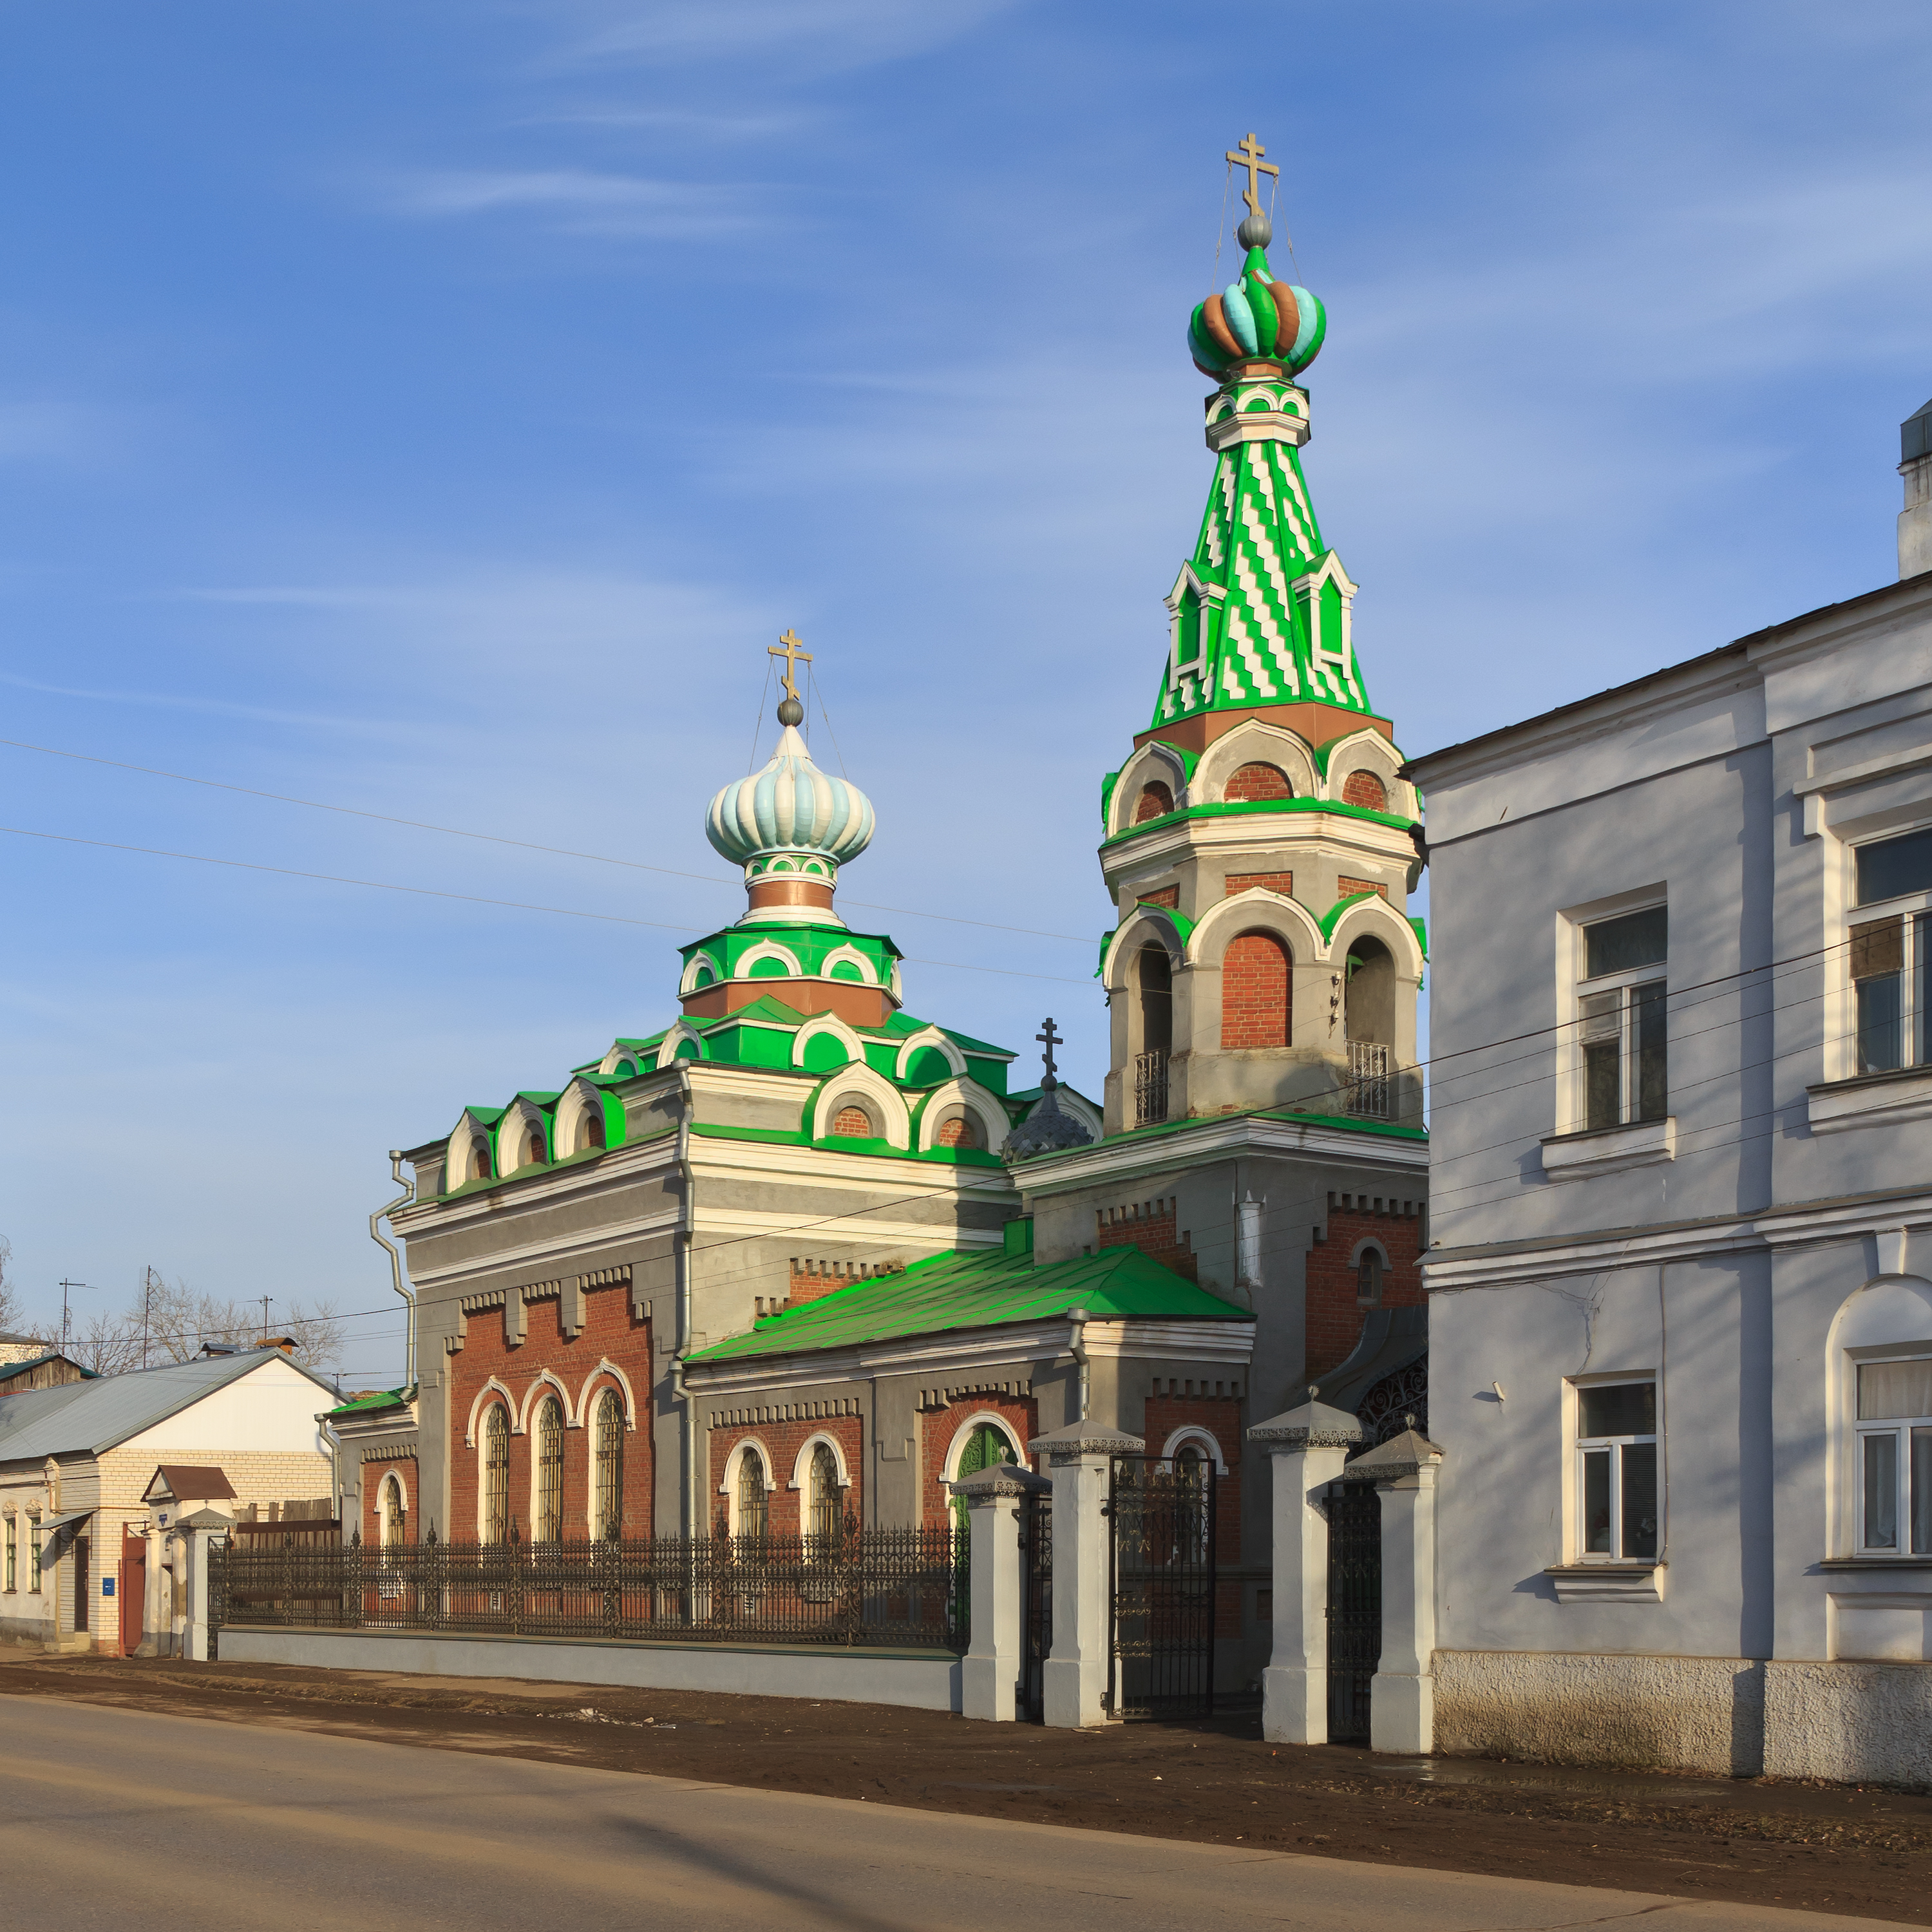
959	1132
823	1497
1361	788
589	1129
1369	1278
987	1447
390	1510
1155	975
548	1525
754	1495
1370	968
533	1148
854	1122
1250	783
495	1515
479	1159
1256	992
1155	801
608	1431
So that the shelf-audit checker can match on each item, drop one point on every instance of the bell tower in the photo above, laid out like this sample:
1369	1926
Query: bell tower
1261	842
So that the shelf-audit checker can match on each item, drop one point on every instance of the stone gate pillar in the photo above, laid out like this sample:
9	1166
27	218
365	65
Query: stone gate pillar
990	1672
1308	1447
1074	1680
1401	1707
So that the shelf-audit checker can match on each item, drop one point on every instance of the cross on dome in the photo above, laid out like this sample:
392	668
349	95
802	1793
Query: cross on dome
1248	155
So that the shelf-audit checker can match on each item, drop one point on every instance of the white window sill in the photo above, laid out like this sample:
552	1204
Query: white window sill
1878	1100
1576	1156
1607	1582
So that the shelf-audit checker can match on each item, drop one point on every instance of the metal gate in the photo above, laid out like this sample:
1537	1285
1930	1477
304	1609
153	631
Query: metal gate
1161	1513
1354	1606
1036	1605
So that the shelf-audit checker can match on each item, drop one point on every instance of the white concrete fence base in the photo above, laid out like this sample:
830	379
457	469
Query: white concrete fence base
990	1672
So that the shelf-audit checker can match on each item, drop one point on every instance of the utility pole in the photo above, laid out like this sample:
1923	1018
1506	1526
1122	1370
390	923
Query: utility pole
265	1299
147	1309
67	1325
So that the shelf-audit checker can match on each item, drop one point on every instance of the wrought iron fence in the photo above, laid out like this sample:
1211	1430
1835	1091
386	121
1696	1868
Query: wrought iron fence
862	1586
1149	1089
1369	1079
1162	1514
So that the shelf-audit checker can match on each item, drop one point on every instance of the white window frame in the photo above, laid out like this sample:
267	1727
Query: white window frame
1572	1095
1900	1429
1577	1445
1915	909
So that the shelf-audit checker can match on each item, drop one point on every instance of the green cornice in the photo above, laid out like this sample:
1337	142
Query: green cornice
847	1143
1264	805
1322	750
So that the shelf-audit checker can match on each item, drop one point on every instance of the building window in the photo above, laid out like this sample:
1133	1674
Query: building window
533	1148
12	1558
1361	788
853	1123
1255	784
549	1521
1369	1278
1621	1007
1155	801
823	1494
33	1556
1891	956
754	1495
389	1512
959	1132
590	1129
610	1452
1616	1472
495	1513
479	1159
1895	1457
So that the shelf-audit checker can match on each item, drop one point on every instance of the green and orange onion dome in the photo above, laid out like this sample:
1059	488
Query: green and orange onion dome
1256	317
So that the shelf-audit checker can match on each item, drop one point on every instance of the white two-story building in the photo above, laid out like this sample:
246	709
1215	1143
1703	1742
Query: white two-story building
1680	1286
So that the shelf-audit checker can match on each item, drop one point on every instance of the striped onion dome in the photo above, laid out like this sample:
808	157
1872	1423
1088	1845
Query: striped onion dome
791	808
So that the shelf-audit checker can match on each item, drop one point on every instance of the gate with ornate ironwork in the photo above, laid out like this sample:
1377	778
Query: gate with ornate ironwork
1037	1604
1354	1606
1161	1513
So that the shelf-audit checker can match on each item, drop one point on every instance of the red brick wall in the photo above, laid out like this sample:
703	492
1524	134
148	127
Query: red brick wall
812	1277
1169	896
937	1427
371	1525
1256	781
1255	997
1221	1417
1365	788
1150	1226
1333	1315
1155	801
1282	883
610	1330
784	1440
1346	888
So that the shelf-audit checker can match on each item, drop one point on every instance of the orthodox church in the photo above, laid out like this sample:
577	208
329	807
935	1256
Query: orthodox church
800	1254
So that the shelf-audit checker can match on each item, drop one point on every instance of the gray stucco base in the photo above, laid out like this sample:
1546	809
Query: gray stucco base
923	1680
1690	1713
1852	1721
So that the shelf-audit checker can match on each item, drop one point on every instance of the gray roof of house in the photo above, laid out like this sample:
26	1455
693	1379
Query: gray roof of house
84	1418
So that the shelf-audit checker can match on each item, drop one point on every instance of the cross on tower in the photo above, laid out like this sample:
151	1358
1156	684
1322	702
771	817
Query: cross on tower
791	653
1049	1040
1249	155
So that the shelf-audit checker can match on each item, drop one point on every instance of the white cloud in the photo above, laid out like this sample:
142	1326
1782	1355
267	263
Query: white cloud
579	200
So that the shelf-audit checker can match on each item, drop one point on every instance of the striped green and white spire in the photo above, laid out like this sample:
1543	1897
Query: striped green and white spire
1261	613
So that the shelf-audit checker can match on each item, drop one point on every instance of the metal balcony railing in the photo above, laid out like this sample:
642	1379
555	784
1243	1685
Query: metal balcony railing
1369	1083
1149	1089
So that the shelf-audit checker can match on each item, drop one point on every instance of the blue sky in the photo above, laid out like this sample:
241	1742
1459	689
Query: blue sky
435	408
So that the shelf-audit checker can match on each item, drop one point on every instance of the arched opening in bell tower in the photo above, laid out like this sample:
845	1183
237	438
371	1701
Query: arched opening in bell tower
1371	1000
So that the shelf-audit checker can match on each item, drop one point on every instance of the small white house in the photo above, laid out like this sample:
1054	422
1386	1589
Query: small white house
77	1464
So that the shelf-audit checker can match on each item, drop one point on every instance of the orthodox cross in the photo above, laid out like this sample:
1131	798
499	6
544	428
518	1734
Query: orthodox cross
1049	1040
791	653
1249	155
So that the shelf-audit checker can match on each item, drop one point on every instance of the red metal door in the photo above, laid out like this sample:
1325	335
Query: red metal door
134	1588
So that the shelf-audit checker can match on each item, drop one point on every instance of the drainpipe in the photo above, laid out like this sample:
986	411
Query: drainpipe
382	1240
1077	1342
334	1461
687	1216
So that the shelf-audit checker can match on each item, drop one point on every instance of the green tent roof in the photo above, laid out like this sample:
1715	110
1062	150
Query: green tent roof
364	1404
979	1292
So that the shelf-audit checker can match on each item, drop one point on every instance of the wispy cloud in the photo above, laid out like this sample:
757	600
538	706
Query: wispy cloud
578	200
217	707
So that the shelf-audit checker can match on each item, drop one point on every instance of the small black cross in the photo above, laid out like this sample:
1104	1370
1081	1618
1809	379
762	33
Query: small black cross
1050	1039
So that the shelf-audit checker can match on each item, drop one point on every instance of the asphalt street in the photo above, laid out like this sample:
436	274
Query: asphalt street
121	1818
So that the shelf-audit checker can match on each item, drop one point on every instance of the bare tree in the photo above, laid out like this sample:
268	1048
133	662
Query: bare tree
109	1344
175	1320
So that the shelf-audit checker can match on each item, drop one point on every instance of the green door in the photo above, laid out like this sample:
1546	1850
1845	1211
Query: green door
985	1448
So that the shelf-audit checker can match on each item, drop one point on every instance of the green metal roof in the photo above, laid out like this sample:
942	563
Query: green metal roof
381	1399
979	1292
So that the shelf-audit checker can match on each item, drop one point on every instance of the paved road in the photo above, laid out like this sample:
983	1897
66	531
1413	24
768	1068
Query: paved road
123	1818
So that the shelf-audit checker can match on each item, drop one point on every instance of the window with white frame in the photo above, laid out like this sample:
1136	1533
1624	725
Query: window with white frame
12	1558
1620	1010
1894	1458
1891	954
1618	1498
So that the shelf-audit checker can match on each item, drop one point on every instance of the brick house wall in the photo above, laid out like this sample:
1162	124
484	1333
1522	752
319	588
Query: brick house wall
1221	1417
1334	1313
611	1330
1255	996
938	1426
371	1525
1151	1227
784	1439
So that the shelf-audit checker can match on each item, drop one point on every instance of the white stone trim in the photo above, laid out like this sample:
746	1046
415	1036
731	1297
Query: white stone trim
970	1098
932	1036
688	982
949	1463
1641	1144
1607	1582
802	1461
1374	915
618	1054
1161	932
852	956
1878	1100
680	1031
492	1386
382	1507
1256	742
1363	750
855	1047
547	1379
578	1100
861	1085
767	949
728	1488
1192	1432
1154	760
628	1399
1258	909
522	1117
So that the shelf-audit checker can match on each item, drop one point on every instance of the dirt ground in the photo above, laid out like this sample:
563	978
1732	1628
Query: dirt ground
1763	1841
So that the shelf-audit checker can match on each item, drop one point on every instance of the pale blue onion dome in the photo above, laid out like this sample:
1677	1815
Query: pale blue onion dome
790	809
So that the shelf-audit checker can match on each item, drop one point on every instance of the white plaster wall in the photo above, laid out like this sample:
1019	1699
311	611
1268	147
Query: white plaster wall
272	1407
1849	1721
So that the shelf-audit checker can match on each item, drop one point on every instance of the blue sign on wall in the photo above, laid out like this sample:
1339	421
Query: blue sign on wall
107	1586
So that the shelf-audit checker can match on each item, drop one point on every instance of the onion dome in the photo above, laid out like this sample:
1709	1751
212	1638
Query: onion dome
1256	318
790	817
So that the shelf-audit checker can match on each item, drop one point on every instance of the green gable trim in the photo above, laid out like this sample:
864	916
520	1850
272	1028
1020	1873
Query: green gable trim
1182	925
1421	926
1321	751
850	1143
1328	920
978	1290
1107	785
1283	805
